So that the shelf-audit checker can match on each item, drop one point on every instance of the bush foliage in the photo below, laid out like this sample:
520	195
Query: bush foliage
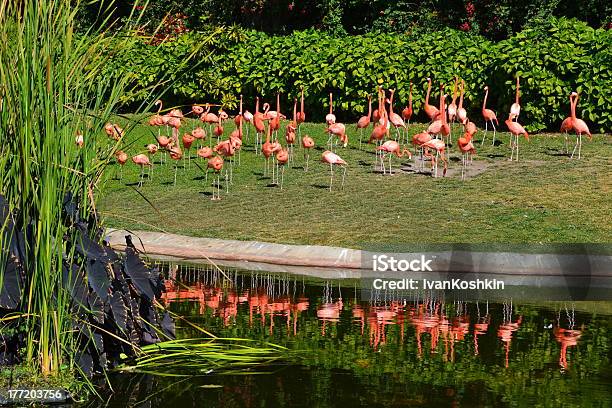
552	60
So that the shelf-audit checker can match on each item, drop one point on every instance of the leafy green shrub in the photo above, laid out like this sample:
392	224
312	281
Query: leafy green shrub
552	60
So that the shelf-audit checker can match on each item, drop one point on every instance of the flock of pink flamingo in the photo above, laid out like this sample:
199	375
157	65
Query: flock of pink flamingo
433	143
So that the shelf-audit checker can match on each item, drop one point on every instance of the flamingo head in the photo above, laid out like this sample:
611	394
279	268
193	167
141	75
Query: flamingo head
486	88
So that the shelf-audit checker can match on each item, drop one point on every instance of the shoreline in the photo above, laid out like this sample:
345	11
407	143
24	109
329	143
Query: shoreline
353	262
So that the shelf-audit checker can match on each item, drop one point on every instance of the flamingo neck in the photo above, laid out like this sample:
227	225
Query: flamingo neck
573	102
484	102
330	104
369	107
428	91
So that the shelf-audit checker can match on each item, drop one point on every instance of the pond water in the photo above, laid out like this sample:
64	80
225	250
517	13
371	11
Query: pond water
428	350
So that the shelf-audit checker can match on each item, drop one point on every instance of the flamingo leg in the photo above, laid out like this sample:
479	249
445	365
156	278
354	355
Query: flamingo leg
307	154
331	179
485	132
343	176
282	177
575	147
175	170
121	173
360	137
517	147
494	132
579	145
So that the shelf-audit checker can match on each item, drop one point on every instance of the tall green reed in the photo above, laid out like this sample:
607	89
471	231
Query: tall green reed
51	90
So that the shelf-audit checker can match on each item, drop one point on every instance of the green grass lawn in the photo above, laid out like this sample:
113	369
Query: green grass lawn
544	198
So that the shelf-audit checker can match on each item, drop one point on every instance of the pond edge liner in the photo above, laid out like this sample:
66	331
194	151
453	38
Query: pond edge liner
195	248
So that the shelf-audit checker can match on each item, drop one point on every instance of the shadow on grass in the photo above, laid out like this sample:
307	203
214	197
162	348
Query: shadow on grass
321	186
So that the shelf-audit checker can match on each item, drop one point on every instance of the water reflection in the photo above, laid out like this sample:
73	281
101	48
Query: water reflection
381	351
437	325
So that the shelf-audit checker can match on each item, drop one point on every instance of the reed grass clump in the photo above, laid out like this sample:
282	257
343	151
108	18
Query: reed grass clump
51	91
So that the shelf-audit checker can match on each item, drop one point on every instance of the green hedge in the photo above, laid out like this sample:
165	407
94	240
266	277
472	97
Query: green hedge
566	55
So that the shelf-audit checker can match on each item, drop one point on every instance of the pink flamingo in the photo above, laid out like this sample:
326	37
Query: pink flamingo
307	143
489	116
122	158
466	147
301	115
515	109
431	111
333	159
461	113
330	118
395	119
141	160
439	146
516	130
579	127
390	148
216	164
364	121
407	112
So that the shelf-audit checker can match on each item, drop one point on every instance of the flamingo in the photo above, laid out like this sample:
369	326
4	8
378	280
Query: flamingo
307	143
566	125
461	113
187	140
165	143
381	127
419	140
209	118
489	116
114	131
516	130
141	160
248	116
337	129
466	147
227	149
439	146
175	154
290	131
268	149
157	119
122	158
395	119
258	122
200	134
392	147
431	111
216	164
333	159
364	121
452	107
515	109
78	140
282	157
301	115
407	112
275	118
330	118
580	127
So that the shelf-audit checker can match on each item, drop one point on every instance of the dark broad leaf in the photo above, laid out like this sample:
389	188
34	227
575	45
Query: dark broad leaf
10	291
120	311
91	249
138	273
86	363
168	326
98	342
98	279
74	282
96	307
